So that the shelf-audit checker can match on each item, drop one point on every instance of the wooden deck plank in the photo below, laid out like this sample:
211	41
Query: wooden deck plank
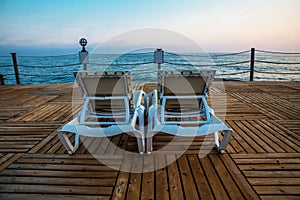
161	180
189	188
274	181
58	173
266	155
279	197
269	145
237	175
249	138
200	178
120	188
55	189
60	166
5	157
214	182
228	183
54	181
287	138
135	179
148	178
275	142
21	138
271	174
176	191
278	190
289	134
261	161
15	196
11	159
239	142
292	125
97	145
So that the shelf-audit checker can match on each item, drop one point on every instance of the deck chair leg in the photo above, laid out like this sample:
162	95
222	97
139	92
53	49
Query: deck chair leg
149	145
67	143
217	143
141	144
149	136
216	139
141	140
225	140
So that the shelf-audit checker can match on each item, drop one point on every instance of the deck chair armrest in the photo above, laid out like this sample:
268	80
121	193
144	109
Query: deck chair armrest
153	98
139	96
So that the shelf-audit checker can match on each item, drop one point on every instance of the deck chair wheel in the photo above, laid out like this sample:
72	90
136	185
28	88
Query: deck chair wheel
220	151
70	152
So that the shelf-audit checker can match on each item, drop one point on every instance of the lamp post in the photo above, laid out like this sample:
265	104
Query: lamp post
159	58
83	54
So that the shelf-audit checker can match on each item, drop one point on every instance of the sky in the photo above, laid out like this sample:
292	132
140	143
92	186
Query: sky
216	25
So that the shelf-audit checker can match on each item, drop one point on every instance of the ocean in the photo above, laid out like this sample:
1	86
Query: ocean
268	66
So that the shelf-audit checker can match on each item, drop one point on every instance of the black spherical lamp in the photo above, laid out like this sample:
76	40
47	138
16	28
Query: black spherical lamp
83	42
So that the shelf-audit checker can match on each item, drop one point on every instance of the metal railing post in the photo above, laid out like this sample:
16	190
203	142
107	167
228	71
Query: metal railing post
159	58
15	63
2	79
252	58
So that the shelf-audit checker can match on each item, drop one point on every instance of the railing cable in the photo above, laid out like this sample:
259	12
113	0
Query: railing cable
208	54
46	75
120	64
207	65
6	65
283	63
235	73
54	66
276	52
66	55
283	73
118	55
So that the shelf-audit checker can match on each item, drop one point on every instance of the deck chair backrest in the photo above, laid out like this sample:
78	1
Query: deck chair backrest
105	83
108	85
185	83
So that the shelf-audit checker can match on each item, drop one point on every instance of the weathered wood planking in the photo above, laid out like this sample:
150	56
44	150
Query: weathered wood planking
271	174
262	160
81	176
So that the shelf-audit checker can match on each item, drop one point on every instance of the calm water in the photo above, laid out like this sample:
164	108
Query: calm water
59	69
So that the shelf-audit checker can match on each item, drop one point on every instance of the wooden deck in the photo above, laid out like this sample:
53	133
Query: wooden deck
261	162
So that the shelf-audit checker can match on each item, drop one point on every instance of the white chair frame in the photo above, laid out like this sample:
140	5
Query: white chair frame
211	124
80	126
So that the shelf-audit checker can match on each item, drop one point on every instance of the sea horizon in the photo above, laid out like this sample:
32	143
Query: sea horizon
6	50
60	68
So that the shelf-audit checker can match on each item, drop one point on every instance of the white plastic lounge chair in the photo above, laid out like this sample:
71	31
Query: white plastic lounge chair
179	108
110	108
